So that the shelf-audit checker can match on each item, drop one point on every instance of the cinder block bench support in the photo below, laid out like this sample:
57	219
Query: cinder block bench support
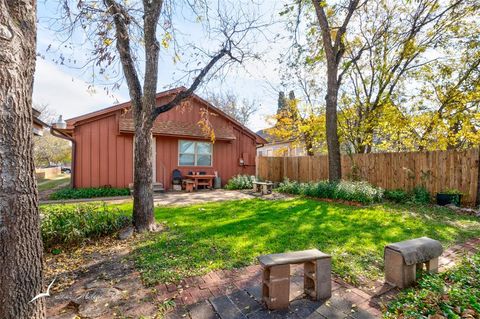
263	187
403	259
276	276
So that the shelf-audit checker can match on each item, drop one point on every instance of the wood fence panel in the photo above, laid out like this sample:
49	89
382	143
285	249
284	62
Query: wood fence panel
436	170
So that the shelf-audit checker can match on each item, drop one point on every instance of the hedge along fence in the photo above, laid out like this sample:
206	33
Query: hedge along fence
437	170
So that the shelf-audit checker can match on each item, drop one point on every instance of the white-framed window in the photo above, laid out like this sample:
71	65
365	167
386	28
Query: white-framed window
193	153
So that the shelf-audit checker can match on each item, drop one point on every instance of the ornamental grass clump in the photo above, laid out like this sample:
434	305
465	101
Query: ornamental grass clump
361	192
74	224
240	182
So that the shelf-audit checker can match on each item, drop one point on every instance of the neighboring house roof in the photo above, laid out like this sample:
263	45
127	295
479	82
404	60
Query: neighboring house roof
38	125
165	129
270	138
265	134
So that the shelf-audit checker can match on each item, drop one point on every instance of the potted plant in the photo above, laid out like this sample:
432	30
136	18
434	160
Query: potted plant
449	196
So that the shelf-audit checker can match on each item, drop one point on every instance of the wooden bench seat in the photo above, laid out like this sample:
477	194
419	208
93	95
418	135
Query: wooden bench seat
276	276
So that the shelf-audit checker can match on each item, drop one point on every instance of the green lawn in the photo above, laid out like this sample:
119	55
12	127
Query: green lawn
232	234
47	184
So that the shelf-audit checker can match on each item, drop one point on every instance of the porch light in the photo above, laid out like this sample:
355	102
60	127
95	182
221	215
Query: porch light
60	124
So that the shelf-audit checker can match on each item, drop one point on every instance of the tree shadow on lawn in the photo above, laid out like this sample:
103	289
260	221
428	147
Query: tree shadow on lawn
232	234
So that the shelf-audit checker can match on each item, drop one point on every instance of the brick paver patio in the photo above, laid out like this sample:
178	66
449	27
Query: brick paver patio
231	294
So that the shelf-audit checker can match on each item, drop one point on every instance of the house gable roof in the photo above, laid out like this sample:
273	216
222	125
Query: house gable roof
71	123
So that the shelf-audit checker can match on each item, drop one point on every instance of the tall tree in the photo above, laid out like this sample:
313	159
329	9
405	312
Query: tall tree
302	127
334	48
126	24
20	242
376	86
49	150
241	110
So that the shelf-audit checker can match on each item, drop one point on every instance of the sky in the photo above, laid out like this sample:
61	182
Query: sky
69	90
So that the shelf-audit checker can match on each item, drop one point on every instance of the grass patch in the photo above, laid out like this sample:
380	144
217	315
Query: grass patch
232	234
452	294
47	184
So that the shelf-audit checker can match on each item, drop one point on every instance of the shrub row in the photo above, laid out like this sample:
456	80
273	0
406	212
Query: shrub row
240	182
451	294
418	195
361	192
73	193
73	224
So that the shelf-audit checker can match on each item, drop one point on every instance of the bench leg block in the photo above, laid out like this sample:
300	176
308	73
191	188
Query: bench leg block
278	294
323	278
264	190
276	286
432	265
396	272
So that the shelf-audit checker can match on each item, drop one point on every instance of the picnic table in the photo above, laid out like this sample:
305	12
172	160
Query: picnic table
201	180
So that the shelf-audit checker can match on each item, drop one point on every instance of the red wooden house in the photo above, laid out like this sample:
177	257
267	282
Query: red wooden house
103	144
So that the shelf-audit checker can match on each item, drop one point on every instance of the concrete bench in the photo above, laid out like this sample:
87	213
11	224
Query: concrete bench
405	258
263	187
276	276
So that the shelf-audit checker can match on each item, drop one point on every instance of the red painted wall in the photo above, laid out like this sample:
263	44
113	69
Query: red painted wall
105	157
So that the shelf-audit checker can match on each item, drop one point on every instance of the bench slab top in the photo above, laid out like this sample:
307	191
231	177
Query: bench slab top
263	183
417	250
295	257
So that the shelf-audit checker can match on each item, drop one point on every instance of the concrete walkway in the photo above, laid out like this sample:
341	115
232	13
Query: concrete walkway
231	294
172	198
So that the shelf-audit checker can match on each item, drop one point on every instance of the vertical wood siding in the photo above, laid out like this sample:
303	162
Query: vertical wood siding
105	157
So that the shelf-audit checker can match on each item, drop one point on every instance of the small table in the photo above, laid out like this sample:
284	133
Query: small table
202	180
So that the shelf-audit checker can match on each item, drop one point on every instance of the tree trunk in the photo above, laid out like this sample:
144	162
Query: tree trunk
334	166
20	241
143	217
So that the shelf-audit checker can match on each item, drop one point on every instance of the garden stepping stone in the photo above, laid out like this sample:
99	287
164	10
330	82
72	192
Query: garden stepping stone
255	292
226	308
305	307
361	314
202	310
331	312
244	302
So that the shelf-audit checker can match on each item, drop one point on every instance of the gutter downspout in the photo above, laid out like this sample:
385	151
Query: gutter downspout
55	132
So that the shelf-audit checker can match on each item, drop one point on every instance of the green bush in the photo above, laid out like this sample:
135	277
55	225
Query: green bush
73	224
73	193
361	192
397	195
240	182
418	195
451	294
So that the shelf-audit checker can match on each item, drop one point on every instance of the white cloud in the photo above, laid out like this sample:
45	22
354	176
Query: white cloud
66	94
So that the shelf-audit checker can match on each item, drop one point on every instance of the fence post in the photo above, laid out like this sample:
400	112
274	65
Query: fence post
477	200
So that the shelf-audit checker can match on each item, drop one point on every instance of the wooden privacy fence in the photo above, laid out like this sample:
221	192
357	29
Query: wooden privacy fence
437	170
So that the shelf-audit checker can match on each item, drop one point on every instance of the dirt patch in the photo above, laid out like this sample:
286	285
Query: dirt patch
98	280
